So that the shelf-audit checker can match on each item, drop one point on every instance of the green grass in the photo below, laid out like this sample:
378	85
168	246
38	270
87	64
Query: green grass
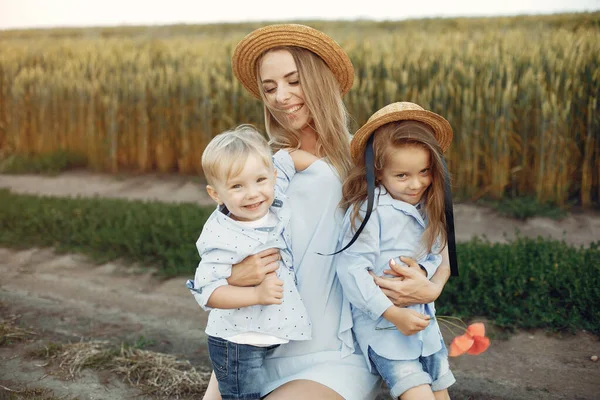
51	163
527	283
525	207
152	233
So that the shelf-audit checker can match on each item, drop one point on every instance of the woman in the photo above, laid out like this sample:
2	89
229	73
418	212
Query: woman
301	74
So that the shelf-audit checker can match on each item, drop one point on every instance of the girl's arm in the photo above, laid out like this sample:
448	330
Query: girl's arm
353	266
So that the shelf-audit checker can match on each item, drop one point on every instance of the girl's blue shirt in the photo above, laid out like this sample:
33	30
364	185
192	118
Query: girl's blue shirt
395	229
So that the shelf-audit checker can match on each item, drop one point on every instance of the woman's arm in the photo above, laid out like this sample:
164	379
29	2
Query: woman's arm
410	286
252	270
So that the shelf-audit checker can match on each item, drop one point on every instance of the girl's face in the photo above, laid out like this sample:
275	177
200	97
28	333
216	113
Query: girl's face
281	84
407	173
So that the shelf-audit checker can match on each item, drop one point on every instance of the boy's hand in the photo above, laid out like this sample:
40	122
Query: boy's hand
302	159
270	291
406	320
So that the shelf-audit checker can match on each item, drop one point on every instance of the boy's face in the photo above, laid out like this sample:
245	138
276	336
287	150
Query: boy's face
248	195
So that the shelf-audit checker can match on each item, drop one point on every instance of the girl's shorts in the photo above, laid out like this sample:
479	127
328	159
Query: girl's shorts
401	375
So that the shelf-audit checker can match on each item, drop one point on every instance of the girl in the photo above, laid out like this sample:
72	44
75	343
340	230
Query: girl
403	215
300	74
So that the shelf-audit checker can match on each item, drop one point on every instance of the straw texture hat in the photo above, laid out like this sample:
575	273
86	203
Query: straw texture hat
249	49
401	111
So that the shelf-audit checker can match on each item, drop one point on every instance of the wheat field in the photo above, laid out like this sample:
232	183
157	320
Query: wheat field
521	94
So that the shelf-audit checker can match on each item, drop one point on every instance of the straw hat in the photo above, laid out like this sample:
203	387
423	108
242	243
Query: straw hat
401	111
250	48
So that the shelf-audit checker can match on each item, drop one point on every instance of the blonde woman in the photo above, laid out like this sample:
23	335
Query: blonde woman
301	74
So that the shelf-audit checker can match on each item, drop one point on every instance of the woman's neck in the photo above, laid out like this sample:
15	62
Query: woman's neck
308	140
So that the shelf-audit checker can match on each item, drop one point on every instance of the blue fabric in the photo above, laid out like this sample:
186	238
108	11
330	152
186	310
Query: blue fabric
395	229
224	242
329	357
402	375
238	368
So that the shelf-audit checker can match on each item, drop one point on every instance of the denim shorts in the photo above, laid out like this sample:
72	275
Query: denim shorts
401	375
238	368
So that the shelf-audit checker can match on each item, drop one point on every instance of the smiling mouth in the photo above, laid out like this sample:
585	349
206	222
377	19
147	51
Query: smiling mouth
253	206
293	110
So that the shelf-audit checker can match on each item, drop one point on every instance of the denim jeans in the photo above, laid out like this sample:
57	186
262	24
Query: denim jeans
237	367
401	375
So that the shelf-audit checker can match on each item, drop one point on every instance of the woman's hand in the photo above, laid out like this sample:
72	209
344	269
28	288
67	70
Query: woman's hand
253	269
410	286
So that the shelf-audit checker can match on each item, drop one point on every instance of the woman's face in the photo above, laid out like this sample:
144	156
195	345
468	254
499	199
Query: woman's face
280	82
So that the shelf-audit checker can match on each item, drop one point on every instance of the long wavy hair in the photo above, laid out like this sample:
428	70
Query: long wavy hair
389	138
328	114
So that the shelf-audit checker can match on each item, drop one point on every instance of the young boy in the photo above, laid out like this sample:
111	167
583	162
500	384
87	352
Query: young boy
252	215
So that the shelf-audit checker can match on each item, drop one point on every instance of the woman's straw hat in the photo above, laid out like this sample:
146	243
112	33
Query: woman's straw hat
401	111
249	49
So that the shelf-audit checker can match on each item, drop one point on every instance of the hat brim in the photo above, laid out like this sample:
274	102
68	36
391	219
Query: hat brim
249	49
441	129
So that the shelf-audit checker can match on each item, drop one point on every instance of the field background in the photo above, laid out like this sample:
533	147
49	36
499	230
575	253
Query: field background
520	92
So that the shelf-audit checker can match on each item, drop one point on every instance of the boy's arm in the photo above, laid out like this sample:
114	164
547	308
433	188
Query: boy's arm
284	165
270	291
302	159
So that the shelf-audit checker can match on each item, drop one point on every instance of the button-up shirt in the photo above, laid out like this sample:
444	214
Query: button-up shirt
395	229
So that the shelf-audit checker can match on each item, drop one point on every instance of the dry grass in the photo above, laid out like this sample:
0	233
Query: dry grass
9	333
7	393
157	374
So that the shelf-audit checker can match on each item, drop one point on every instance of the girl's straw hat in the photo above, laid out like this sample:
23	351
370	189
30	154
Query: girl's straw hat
249	49
401	111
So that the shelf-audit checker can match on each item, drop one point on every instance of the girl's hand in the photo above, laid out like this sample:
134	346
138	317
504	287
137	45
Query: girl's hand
406	320
253	269
410	286
270	291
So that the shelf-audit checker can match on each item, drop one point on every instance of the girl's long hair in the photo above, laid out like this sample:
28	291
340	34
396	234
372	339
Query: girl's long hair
328	114
388	138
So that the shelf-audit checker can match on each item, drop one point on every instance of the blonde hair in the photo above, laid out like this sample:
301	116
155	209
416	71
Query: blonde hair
329	117
226	154
388	138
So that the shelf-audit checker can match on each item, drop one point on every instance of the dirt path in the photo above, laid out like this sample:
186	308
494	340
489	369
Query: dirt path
67	298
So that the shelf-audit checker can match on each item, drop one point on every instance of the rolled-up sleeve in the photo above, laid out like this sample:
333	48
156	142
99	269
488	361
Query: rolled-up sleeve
285	169
210	275
353	265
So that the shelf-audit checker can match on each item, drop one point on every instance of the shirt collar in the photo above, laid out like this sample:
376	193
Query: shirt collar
385	199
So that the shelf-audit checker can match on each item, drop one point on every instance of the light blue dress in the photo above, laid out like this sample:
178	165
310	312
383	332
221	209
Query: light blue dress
330	357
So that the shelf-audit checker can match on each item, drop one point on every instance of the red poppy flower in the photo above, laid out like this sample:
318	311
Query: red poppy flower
473	341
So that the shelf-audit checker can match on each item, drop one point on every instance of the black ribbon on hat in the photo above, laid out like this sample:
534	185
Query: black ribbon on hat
449	211
448	208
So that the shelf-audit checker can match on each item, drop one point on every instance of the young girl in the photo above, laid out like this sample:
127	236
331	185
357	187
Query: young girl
399	150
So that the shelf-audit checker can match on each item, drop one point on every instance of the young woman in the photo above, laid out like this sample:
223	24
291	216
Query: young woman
301	74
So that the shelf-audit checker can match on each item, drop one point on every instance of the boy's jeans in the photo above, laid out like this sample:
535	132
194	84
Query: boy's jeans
238	368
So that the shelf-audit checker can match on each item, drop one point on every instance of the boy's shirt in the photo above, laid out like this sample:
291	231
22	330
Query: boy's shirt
224	242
